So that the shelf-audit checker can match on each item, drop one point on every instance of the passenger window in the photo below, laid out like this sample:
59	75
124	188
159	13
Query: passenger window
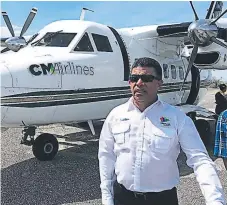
173	72
102	43
166	71
84	44
181	73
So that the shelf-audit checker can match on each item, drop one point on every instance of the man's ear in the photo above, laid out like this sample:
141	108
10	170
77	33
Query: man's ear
160	82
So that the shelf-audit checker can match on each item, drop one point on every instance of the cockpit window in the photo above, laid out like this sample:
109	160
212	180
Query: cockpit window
53	39
102	43
84	44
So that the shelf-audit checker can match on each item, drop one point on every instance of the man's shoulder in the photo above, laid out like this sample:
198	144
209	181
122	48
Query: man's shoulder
118	109
173	109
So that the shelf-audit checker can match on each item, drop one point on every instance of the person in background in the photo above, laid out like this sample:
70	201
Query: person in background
140	143
221	99
220	146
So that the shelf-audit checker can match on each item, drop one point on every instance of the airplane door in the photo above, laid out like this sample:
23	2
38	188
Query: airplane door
108	57
96	61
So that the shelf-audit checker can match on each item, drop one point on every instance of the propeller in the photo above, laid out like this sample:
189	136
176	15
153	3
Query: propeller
12	42
28	21
201	33
196	16
8	23
5	50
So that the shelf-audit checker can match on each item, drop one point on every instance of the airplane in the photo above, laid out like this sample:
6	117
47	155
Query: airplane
77	70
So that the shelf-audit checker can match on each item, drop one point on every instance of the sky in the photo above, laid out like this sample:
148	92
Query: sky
113	13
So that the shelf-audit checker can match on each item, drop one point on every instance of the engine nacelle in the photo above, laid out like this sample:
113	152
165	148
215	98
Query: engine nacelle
213	57
211	60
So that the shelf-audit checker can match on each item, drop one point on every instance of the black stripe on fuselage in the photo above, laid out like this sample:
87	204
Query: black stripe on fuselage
68	92
83	91
78	98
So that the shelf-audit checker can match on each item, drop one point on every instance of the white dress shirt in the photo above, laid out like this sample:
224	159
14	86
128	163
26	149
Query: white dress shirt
140	150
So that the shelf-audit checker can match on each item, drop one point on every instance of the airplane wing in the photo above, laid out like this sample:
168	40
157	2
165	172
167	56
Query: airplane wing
199	33
181	29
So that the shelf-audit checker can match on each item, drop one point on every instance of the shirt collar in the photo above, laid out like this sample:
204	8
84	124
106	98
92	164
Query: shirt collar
131	106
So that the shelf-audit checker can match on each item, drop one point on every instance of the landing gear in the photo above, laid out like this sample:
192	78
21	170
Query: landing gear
44	147
90	124
28	131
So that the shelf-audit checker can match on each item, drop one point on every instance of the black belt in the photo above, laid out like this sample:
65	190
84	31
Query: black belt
140	194
145	194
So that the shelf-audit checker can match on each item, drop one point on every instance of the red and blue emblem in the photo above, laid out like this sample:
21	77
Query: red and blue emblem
164	121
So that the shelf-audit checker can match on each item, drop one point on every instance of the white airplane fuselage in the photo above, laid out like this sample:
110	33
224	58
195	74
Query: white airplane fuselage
44	85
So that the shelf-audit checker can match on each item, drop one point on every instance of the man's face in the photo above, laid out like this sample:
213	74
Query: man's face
144	91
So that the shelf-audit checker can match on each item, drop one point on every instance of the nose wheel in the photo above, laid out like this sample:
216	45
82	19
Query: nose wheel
44	147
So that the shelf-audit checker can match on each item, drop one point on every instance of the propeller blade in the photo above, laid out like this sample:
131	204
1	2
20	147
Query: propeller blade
8	23
196	16
191	61
4	50
218	17
210	10
28	21
215	40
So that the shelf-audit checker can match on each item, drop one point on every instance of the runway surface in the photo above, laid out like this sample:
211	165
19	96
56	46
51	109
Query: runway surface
73	176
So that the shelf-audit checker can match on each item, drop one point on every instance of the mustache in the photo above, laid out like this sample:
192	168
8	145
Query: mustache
137	89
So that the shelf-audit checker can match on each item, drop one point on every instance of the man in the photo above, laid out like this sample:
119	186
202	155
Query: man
220	146
140	142
221	99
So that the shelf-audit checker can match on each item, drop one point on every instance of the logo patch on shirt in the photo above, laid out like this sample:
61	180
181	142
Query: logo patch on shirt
124	119
165	121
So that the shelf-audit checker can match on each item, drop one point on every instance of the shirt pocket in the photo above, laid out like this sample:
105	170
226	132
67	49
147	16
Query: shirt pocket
161	141
121	132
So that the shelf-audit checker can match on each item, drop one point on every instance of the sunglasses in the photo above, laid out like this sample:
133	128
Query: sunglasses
144	78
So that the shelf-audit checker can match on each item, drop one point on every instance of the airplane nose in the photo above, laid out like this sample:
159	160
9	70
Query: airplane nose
6	78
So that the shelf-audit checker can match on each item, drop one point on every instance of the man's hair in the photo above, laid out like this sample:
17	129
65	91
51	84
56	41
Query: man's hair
148	62
222	87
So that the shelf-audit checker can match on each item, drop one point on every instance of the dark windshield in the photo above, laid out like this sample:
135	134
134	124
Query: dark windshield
57	40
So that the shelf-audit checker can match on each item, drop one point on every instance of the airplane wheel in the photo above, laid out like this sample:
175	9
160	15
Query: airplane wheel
45	147
203	128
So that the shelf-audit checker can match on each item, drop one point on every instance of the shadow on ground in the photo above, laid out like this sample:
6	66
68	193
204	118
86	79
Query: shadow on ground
73	176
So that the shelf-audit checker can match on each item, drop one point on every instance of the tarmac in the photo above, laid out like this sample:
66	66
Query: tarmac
73	176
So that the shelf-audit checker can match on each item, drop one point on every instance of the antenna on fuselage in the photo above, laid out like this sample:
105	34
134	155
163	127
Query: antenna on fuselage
83	13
